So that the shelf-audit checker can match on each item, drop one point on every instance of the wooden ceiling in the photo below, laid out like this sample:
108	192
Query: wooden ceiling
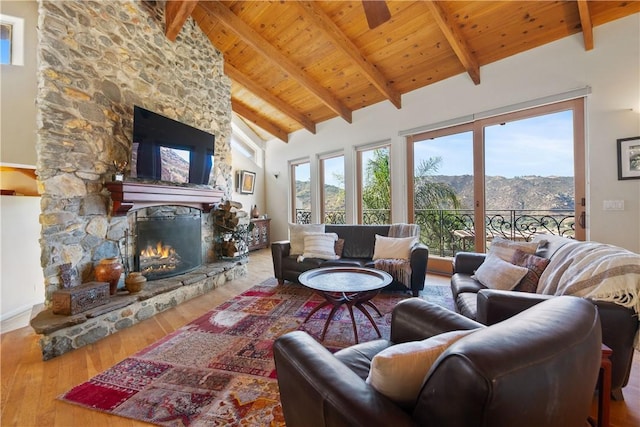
294	64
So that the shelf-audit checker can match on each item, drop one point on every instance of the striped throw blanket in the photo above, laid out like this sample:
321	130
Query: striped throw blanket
596	271
399	269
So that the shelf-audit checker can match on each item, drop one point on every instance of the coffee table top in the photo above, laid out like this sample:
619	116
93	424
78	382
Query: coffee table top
345	279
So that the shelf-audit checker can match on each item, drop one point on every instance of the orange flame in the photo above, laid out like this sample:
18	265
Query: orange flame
160	251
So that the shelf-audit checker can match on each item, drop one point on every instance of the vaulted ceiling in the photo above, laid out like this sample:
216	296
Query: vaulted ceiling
294	64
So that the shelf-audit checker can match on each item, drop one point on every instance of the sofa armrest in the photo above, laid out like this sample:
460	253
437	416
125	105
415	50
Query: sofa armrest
316	389
415	319
467	262
495	306
418	260
279	250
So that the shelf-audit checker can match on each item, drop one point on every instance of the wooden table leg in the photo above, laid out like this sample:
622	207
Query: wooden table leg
604	384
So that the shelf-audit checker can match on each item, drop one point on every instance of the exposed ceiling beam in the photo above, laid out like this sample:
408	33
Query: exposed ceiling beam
176	13
456	40
273	55
250	115
339	39
585	22
268	97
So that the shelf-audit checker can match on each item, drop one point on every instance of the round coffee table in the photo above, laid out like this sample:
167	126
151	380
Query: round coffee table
350	286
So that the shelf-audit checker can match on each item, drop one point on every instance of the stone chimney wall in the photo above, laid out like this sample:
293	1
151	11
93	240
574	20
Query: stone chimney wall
96	60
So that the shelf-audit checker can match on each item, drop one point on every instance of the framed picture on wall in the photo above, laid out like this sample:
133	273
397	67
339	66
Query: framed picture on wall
629	158
247	182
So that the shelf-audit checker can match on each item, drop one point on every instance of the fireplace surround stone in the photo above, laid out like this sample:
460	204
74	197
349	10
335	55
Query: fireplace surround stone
96	60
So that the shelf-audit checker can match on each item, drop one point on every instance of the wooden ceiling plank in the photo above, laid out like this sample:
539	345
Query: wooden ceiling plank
342	42
176	13
268	97
456	40
277	58
260	121
585	22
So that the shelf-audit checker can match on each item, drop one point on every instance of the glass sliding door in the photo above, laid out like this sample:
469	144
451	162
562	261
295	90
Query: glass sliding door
529	177
442	184
512	175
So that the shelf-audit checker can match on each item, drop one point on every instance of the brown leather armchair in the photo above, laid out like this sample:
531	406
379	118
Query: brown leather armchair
538	368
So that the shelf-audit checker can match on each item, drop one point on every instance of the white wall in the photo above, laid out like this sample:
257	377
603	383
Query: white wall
18	88
238	163
21	279
612	70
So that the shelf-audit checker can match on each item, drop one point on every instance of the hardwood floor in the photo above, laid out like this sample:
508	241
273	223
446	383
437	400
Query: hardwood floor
30	386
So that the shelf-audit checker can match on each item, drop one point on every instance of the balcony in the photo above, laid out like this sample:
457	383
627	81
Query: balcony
447	232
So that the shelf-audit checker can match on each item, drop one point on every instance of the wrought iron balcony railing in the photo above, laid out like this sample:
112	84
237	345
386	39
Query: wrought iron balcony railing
446	232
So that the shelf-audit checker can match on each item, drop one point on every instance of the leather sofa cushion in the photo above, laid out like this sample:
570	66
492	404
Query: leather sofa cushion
290	263
462	283
358	357
467	304
359	241
344	262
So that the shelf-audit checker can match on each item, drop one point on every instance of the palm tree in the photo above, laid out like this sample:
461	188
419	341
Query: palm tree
428	194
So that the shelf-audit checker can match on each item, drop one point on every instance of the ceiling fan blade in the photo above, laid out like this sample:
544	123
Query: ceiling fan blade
376	11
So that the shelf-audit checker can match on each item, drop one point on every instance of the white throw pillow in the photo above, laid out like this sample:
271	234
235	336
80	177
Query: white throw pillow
393	247
320	245
495	273
399	371
296	236
505	249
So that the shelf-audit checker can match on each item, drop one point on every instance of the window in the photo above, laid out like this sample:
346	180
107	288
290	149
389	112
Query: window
512	175
374	185
11	40
332	203
301	192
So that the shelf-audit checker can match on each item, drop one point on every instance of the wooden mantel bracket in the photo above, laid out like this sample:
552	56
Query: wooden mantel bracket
136	195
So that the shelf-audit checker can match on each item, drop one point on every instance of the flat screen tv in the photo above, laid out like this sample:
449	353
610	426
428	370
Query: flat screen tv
168	150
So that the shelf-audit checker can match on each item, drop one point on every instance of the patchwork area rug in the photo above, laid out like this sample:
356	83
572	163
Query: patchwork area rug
218	370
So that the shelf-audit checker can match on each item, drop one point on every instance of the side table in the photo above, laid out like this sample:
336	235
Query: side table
604	387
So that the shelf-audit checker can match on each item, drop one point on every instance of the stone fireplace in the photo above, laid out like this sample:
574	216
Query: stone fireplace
96	61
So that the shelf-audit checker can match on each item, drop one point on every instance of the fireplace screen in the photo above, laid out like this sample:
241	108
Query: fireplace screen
168	245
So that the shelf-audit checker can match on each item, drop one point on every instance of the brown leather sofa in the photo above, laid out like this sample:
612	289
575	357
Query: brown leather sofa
488	306
538	368
359	241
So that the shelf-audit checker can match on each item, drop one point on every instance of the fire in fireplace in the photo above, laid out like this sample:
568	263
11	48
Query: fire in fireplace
167	243
161	258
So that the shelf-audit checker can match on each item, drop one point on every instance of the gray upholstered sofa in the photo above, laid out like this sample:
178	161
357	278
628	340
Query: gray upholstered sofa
490	306
359	241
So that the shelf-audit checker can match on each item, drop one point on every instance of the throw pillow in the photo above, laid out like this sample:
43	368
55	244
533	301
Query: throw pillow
534	264
495	273
320	245
296	236
393	247
399	371
339	247
505	249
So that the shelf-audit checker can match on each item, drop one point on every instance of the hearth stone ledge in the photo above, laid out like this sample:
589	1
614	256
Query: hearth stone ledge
61	334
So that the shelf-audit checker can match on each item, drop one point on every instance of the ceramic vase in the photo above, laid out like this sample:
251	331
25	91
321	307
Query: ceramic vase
255	213
109	270
134	282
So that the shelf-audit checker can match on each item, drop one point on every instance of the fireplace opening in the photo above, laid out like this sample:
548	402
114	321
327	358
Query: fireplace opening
167	245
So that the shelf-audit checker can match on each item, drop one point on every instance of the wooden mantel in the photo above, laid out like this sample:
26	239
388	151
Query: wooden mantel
136	195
